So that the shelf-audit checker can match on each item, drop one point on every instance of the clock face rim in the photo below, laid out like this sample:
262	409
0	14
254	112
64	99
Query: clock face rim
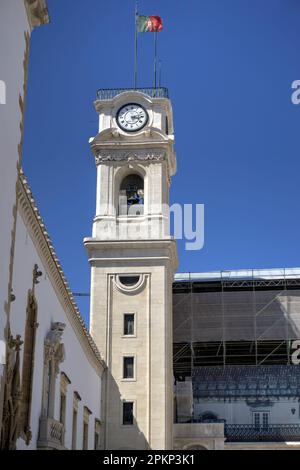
132	130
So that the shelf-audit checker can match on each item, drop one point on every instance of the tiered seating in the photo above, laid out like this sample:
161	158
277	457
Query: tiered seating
246	381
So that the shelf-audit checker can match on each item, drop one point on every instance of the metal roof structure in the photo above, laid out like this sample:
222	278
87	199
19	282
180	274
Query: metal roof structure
240	274
249	316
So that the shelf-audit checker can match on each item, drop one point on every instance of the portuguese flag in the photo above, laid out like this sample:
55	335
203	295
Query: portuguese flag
149	24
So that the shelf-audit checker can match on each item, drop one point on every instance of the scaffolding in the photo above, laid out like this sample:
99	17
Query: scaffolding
247	317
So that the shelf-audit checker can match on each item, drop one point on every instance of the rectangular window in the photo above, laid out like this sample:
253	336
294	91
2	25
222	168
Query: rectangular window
74	430
96	441
128	367
97	434
261	420
265	420
85	435
128	324
62	414
127	413
256	420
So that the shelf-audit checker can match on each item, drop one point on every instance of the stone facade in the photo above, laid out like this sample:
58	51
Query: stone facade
138	246
199	436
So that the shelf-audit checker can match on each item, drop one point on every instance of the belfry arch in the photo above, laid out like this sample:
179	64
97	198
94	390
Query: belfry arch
131	195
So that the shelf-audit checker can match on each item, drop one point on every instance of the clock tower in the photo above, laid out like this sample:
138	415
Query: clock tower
133	259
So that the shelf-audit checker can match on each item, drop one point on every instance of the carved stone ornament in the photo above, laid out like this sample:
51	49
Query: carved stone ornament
53	348
156	156
12	395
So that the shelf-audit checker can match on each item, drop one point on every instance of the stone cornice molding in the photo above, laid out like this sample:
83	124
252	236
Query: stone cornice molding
76	396
114	136
36	227
163	250
37	12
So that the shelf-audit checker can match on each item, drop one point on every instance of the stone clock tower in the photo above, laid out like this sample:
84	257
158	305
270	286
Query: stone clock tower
133	259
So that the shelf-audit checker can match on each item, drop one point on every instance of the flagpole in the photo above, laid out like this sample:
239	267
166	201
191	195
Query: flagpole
136	46
159	74
155	60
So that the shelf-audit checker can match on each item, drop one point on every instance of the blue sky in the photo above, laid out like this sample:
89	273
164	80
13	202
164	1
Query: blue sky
229	65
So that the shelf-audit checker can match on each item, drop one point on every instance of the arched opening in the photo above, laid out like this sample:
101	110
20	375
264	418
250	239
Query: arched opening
196	447
131	195
208	417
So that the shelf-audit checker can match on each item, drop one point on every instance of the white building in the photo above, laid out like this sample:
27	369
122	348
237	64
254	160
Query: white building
50	373
62	387
17	20
57	390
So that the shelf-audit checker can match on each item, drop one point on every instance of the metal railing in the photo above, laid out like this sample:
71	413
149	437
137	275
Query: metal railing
262	433
110	93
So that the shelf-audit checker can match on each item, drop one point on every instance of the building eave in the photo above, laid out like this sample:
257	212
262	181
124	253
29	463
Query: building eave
34	223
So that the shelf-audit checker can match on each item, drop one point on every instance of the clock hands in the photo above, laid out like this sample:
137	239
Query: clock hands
132	117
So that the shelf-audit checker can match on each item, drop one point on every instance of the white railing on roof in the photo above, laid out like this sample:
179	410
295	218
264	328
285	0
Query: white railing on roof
247	274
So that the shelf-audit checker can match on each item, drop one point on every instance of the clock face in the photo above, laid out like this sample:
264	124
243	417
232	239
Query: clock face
132	117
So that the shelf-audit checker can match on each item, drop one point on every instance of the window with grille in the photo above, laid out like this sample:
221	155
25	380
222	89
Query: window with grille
265	420
256	420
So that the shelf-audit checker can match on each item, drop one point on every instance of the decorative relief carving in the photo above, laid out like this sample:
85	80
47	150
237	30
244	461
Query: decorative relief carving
12	394
151	155
36	274
54	349
37	12
28	365
54	355
52	432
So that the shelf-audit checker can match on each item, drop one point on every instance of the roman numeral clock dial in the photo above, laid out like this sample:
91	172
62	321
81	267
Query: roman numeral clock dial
132	117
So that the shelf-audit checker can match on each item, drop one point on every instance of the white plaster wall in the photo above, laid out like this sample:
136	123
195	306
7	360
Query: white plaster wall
240	413
83	376
13	24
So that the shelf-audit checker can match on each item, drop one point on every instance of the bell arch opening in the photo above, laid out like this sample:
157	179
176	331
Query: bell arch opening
131	195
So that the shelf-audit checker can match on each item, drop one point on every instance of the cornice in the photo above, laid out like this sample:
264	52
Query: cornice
156	250
37	12
34	223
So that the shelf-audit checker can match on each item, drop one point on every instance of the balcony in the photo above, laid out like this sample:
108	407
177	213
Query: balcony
110	93
261	433
51	434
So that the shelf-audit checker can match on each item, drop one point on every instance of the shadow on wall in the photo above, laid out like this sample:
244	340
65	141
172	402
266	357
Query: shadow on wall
121	429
